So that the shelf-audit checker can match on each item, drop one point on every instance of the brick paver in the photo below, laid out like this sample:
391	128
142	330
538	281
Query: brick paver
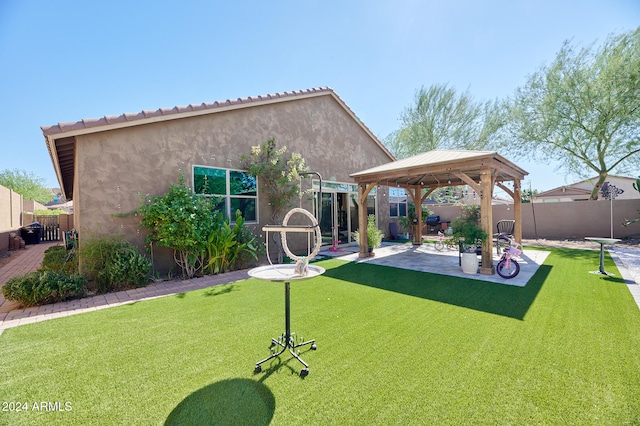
28	261
13	315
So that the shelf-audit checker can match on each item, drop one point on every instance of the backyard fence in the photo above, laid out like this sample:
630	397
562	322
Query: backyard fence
50	227
565	220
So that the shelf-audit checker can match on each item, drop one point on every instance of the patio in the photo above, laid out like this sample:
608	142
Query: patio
426	258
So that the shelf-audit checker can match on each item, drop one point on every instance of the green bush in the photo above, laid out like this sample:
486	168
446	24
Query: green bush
59	259
114	264
226	245
43	287
180	220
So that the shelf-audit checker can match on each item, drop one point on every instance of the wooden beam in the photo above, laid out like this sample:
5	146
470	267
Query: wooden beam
486	221
416	193
517	210
466	179
506	189
363	191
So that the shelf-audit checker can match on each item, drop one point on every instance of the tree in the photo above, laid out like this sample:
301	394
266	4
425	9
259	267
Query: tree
583	110
30	186
443	119
278	173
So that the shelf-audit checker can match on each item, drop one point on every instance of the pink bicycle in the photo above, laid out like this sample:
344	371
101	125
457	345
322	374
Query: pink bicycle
508	267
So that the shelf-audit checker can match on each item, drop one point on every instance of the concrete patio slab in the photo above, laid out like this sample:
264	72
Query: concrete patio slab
426	258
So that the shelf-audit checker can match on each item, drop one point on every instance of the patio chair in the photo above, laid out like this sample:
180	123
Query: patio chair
505	232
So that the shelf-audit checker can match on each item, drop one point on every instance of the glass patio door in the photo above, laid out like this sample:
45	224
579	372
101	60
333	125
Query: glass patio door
327	218
334	223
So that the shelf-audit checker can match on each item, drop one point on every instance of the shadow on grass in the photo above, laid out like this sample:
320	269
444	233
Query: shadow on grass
505	300
228	402
219	290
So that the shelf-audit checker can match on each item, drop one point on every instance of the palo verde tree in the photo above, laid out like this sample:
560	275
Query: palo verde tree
583	110
30	186
440	118
278	174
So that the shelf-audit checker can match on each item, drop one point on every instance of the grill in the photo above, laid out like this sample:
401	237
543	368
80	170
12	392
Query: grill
433	221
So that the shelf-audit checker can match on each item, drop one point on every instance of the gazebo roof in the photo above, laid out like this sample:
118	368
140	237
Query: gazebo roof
441	167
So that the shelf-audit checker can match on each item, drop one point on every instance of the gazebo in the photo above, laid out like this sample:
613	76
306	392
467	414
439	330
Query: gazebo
421	174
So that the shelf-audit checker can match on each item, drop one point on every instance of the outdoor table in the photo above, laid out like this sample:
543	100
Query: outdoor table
602	242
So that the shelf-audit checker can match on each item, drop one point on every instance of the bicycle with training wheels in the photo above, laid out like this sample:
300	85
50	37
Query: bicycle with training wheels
508	267
443	242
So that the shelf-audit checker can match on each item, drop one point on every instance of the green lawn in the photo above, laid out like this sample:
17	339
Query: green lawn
394	347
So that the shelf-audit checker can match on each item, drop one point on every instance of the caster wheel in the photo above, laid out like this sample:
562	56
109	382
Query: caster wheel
314	347
304	372
258	369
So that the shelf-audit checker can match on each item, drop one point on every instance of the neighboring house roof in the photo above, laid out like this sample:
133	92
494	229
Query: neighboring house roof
61	142
582	190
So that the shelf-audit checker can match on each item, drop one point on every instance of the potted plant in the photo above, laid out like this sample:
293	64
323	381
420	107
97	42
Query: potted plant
405	222
374	235
410	221
467	230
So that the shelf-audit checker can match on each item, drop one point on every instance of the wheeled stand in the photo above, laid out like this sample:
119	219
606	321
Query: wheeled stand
287	340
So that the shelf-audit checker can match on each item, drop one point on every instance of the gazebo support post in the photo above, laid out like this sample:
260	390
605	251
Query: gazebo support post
486	221
517	210
363	192
416	193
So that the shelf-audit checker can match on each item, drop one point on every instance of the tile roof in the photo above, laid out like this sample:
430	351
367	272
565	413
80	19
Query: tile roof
60	140
179	111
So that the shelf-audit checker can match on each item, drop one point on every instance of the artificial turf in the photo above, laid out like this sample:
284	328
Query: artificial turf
394	347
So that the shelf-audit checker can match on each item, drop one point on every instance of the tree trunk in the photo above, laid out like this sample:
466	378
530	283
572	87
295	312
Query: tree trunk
598	186
275	218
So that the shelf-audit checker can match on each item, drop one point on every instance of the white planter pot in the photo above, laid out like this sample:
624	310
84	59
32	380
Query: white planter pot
469	263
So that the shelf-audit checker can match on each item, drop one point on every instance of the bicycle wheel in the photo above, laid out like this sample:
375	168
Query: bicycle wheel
439	245
508	268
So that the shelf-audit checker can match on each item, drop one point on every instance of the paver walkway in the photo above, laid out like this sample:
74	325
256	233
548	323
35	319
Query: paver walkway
27	261
12	315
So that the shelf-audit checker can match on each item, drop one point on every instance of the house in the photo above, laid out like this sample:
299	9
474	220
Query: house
105	165
581	191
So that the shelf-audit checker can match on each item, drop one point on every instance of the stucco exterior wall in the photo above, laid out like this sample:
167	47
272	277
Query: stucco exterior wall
115	168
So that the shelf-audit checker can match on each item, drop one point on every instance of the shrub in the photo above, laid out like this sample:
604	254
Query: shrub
59	259
43	287
225	246
114	264
180	220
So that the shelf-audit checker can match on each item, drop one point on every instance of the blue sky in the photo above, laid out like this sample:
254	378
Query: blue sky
67	60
